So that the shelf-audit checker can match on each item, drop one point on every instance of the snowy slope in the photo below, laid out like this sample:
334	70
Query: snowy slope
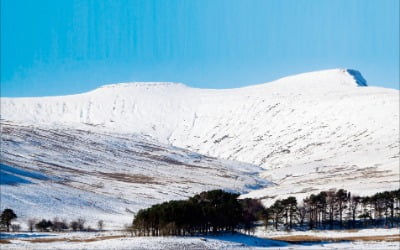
71	173
309	132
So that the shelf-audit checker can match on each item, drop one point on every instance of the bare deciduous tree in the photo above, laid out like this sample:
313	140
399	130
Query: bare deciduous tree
100	225
15	227
31	224
81	224
74	225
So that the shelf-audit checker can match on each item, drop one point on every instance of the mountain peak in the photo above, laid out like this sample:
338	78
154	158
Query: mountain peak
323	80
326	79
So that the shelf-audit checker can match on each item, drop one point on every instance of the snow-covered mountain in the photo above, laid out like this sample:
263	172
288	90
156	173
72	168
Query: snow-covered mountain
70	173
308	132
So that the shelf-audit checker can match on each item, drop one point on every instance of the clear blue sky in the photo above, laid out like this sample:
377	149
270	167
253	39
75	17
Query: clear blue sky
57	47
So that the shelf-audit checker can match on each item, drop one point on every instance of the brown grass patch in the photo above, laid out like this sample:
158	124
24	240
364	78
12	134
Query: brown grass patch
301	238
390	238
5	242
45	240
352	230
130	178
310	238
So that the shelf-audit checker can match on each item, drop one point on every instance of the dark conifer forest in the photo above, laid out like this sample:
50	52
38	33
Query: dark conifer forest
208	212
219	211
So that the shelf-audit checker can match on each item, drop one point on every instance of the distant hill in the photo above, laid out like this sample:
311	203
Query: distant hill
308	132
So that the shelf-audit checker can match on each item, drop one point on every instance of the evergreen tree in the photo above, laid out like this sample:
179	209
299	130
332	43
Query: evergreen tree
290	209
43	225
7	216
331	207
354	202
341	200
277	211
253	211
211	211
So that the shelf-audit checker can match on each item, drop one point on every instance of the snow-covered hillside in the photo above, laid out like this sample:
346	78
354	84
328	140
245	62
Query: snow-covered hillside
72	173
309	132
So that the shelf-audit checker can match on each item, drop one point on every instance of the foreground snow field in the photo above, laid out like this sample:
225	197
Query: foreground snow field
114	240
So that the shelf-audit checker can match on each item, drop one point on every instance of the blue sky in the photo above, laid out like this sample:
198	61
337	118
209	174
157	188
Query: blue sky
63	47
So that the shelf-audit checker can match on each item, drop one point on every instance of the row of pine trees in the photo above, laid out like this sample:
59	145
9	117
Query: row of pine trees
336	209
219	211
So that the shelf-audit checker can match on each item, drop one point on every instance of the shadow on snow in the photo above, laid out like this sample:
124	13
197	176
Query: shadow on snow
253	241
22	235
12	175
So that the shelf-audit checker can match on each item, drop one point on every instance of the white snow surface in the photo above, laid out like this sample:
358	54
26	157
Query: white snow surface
309	132
71	173
236	241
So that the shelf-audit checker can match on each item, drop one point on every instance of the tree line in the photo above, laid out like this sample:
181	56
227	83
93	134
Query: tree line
336	209
219	211
43	225
208	212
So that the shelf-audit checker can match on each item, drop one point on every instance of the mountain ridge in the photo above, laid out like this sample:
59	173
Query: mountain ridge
306	131
355	78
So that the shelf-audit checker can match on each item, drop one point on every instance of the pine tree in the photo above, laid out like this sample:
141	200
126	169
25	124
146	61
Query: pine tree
354	202
341	200
6	217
